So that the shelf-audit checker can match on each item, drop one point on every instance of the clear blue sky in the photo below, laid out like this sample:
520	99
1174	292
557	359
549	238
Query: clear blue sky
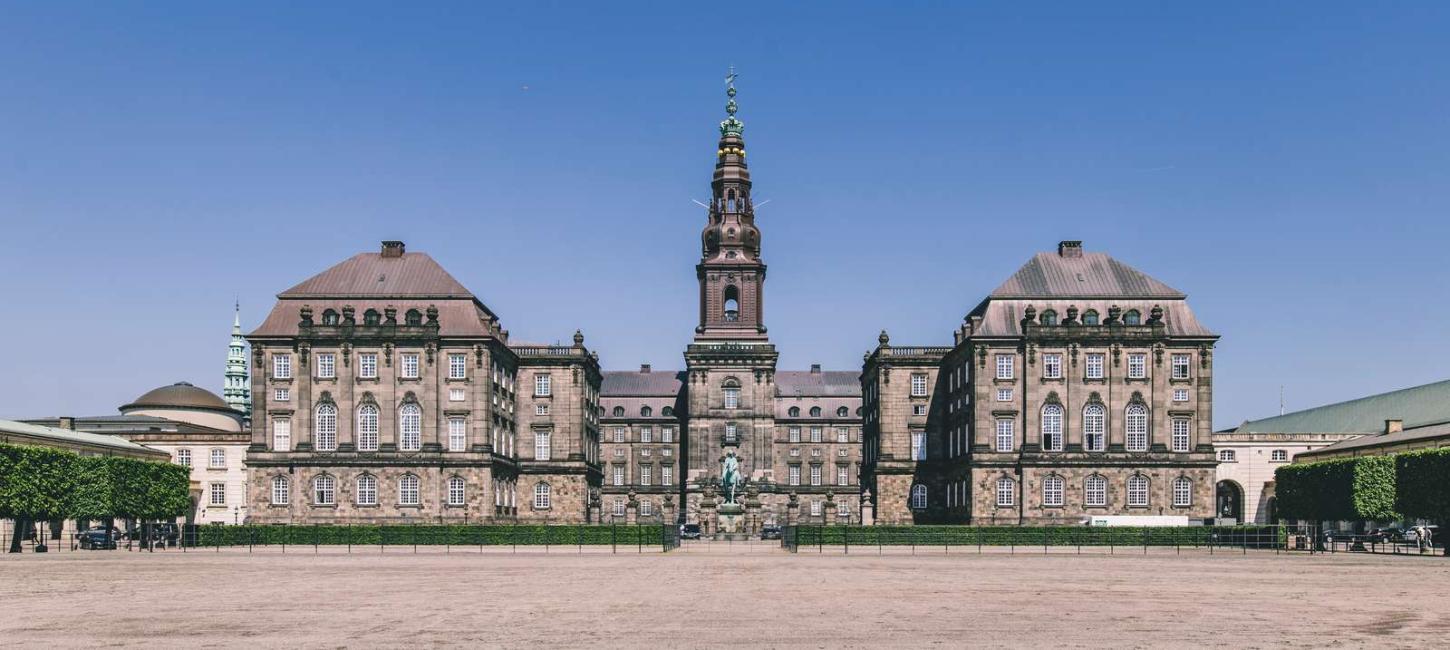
1287	167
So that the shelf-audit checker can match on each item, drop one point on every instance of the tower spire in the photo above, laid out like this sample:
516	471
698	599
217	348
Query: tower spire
235	391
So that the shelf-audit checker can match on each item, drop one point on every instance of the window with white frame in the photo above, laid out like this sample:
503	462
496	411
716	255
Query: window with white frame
1180	394
326	365
619	507
619	435
815	475
793	474
456	395
218	459
1093	366
408	490
646	434
646	508
667	474
543	385
282	395
367	490
918	409
183	457
1137	366
1182	492
410	427
456	491
1136	426
667	434
457	434
367	427
1004	394
1005	435
1052	490
619	452
324	490
843	434
843	475
541	409
646	474
281	366
281	435
918	385
618	475
281	488
410	365
918	445
730	432
1094	427
542	496
1227	456
793	434
326	427
732	397
1137	490
1006	492
645	452
1052	366
918	497
1095	491
815	434
1052	427
457	366
1180	366
1180	434
367	365
218	493
543	445
1004	366
816	508
1279	456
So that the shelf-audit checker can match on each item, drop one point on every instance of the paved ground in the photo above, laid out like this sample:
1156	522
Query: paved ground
717	596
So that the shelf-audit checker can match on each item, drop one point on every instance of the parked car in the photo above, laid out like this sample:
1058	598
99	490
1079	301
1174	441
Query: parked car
1412	537
98	538
770	531
690	531
1386	535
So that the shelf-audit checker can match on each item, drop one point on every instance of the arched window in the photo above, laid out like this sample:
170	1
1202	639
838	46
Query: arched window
371	317
329	317
667	412
1049	317
1095	491
324	490
367	427
619	411
732	304
1137	490
1052	489
1094	427
281	490
456	494
1182	492
918	497
541	496
795	411
1006	492
815	411
326	427
1052	427
1132	318
413	317
731	389
1090	317
843	412
367	490
410	427
1136	421
645	411
408	490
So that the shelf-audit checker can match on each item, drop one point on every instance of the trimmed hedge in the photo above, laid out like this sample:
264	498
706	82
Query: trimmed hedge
43	483
1345	489
426	535
1265	536
1423	490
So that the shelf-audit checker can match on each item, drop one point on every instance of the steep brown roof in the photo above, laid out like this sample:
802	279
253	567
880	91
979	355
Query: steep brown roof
826	383
372	275
634	383
1089	275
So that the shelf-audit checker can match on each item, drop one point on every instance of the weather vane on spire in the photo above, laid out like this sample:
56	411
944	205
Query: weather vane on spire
731	125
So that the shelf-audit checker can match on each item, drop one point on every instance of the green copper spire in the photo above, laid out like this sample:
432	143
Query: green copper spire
235	390
731	125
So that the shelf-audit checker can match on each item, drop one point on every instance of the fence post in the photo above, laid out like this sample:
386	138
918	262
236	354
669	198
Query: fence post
613	538
315	532
846	539
1044	540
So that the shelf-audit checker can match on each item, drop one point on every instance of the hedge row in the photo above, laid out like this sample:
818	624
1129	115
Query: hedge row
1413	485
1423	489
43	483
1266	536
426	535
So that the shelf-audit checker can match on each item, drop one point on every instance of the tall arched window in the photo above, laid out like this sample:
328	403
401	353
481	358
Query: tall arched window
410	427
367	427
542	496
731	391
1132	318
281	490
732	304
367	490
408	490
1006	492
1094	427
324	490
918	497
1182	492
1052	427
1095	491
1136	426
1052	490
456	494
1137	490
326	427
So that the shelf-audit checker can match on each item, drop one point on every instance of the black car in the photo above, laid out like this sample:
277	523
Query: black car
690	531
98	538
770	531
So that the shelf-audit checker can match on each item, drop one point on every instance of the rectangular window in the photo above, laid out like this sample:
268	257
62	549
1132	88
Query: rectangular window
367	365
843	475
730	432
1096	491
667	474
1094	366
218	458
815	474
1004	366
815	434
457	366
455	395
645	472
646	434
645	452
183	457
281	366
457	434
918	445
218	494
282	395
1180	366
1279	456
618	475
918	409
1004	394
1182	492
281	434
1137	365
619	507
1052	491
619	435
732	398
1005	436
408	491
543	385
667	452
619	452
843	434
410	365
1180	394
1006	492
1052	366
816	508
455	491
795	434
541	409
326	366
667	434
918	385
794	473
1180	434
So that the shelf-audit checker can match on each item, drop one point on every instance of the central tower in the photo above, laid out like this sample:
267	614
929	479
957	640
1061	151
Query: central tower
731	363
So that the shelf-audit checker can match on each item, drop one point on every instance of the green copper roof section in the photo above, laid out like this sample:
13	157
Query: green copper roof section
1417	406
731	125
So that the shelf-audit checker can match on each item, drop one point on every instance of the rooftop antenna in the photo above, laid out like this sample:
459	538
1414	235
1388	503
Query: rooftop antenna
1281	399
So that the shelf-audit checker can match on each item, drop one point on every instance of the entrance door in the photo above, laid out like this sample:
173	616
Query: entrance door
1230	501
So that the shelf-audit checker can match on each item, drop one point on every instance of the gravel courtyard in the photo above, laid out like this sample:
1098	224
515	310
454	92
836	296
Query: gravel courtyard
712	596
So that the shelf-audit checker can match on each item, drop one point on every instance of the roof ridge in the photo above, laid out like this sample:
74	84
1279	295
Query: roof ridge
1354	401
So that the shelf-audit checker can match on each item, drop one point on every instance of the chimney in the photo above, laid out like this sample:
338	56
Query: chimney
644	368
393	249
1069	248
1394	426
67	422
815	368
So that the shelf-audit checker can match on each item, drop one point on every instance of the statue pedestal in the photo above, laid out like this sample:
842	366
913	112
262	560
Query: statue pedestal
731	522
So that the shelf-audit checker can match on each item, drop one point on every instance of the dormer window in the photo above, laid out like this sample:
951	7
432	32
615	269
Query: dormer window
619	411
329	317
815	411
413	317
645	411
371	317
1049	317
1132	318
1090	318
795	411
